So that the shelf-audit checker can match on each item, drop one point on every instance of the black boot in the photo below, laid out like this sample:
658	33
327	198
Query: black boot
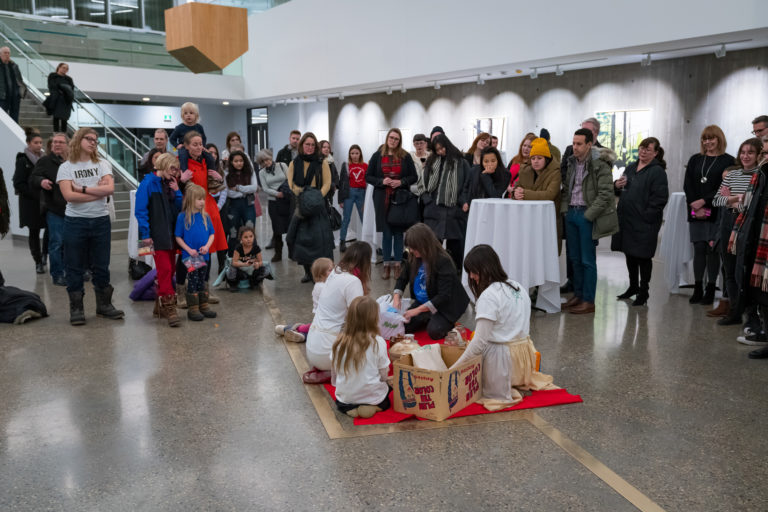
342	246
698	293
104	305
761	353
642	295
278	243
632	290
39	267
76	311
193	308
709	295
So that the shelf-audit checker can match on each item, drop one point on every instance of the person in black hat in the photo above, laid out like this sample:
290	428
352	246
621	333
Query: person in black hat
437	130
554	150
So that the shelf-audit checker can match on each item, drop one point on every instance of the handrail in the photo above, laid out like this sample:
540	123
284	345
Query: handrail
37	57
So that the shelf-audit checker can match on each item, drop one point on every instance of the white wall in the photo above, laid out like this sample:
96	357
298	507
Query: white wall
13	142
381	42
305	117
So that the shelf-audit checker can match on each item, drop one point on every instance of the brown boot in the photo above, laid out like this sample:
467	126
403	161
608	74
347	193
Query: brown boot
205	309
193	311
181	294
584	308
722	309
168	310
385	271
396	270
573	301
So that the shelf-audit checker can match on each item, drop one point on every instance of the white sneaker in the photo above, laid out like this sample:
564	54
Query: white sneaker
754	340
294	336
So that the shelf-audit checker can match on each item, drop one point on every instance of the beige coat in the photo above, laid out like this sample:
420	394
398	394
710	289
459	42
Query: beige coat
545	188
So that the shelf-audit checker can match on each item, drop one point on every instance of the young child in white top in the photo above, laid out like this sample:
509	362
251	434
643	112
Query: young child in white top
360	362
502	322
297	333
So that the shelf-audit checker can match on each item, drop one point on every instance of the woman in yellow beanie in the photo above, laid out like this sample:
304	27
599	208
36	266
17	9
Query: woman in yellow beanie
540	181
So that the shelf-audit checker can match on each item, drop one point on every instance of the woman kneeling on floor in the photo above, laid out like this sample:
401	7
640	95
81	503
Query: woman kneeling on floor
439	298
503	315
349	280
360	362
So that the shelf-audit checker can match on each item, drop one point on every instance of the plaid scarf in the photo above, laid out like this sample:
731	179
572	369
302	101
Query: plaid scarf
759	275
447	187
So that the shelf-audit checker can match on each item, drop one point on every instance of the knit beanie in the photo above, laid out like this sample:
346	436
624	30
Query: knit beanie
544	134
436	129
540	147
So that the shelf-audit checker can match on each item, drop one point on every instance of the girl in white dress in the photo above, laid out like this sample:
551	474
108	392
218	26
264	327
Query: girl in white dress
502	321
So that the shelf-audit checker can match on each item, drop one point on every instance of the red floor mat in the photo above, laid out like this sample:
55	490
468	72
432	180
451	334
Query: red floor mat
536	399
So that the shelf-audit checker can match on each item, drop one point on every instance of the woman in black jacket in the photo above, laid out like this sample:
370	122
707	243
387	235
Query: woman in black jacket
390	168
62	95
439	299
703	176
446	187
490	178
29	198
643	193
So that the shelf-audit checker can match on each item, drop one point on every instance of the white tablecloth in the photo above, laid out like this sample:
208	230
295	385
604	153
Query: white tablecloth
524	234
368	229
675	249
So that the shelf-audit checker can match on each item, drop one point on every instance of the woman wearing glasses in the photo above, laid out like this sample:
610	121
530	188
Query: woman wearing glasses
86	181
703	176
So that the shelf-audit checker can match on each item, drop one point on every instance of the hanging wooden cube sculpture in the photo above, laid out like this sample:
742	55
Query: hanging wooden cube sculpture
206	37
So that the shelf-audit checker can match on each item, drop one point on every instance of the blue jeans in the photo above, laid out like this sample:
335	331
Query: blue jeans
581	253
55	243
87	244
240	214
387	238
356	197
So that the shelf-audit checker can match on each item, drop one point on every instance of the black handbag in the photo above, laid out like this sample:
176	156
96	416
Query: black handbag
403	209
334	216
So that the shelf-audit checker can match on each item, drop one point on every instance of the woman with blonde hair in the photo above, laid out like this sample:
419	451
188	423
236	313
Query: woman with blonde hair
85	181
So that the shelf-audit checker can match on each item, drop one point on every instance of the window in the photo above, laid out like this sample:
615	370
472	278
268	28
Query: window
54	8
154	13
125	13
93	11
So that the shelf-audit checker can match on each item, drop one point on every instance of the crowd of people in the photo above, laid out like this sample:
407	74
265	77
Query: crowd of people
430	189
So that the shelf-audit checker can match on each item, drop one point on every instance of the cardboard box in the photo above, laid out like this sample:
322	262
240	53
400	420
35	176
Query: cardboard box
435	395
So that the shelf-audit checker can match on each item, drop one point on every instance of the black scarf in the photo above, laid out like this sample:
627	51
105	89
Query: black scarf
315	170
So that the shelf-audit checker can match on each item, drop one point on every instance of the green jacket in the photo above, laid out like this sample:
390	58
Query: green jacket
597	189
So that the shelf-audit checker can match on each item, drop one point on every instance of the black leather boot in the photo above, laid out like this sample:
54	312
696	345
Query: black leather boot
698	293
104	305
76	311
709	294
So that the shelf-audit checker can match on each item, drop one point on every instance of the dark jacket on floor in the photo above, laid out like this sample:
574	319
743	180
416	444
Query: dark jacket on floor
374	176
47	168
444	288
641	209
156	212
29	196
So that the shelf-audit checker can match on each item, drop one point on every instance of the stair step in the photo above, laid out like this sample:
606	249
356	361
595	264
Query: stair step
119	234
120	224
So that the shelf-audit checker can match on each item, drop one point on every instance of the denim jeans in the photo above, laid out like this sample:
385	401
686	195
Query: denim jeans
55	243
582	254
387	238
240	214
87	243
356	197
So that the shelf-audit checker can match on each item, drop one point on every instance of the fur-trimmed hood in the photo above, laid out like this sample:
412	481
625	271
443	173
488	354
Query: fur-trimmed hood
607	155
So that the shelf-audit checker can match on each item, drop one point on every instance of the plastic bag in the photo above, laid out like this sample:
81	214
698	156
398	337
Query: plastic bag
194	262
146	247
391	319
429	357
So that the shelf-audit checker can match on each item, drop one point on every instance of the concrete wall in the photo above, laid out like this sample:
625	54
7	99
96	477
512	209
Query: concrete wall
305	117
683	95
12	136
345	43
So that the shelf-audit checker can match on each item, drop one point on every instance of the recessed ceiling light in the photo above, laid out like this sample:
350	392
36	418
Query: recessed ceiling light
46	94
144	99
225	103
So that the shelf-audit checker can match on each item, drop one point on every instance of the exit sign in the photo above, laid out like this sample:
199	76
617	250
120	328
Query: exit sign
167	118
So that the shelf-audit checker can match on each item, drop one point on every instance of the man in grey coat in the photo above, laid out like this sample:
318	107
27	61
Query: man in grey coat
12	87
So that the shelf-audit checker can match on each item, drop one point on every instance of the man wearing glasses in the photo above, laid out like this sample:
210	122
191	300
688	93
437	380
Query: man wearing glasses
760	126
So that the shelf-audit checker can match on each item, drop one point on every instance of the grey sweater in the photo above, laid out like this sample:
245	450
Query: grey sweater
270	182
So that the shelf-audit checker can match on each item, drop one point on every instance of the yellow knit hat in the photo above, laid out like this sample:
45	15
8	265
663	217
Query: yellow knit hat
540	147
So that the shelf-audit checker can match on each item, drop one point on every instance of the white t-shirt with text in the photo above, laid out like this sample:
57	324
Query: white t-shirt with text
85	174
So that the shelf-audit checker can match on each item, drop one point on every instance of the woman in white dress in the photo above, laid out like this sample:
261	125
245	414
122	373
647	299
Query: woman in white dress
502	321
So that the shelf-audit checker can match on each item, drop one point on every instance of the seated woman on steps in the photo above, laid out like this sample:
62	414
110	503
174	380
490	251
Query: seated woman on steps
503	314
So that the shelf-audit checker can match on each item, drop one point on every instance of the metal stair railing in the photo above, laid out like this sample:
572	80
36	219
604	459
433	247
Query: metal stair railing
120	147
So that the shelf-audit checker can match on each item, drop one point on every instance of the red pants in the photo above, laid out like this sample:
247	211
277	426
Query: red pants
165	263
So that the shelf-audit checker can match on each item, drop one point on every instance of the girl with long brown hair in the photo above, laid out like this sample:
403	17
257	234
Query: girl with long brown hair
360	362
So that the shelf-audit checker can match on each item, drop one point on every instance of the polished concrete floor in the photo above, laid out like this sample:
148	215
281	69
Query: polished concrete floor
133	415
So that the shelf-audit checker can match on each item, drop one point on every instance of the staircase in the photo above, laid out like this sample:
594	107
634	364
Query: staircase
32	115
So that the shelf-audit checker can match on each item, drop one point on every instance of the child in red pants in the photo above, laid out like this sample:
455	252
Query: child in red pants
158	202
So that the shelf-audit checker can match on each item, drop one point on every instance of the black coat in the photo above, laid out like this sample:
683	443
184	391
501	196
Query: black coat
374	176
484	186
444	287
29	196
47	168
62	89
641	209
695	189
447	222
284	155
309	233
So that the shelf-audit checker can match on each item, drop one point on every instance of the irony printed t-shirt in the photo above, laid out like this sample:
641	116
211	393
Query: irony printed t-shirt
85	174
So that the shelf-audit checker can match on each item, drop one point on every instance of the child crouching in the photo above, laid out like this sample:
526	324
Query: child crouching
194	234
297	333
246	261
360	362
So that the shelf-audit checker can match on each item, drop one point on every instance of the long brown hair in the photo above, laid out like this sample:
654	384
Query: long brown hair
357	261
483	261
422	239
399	152
241	177
230	136
75	149
519	158
305	137
359	332
349	154
482	136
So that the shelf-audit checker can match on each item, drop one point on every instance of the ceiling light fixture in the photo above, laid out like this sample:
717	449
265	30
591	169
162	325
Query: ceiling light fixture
534	74
720	52
558	71
646	61
144	99
225	102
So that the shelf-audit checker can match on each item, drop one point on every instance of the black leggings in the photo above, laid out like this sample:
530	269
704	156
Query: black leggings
643	266
705	258
34	244
59	125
